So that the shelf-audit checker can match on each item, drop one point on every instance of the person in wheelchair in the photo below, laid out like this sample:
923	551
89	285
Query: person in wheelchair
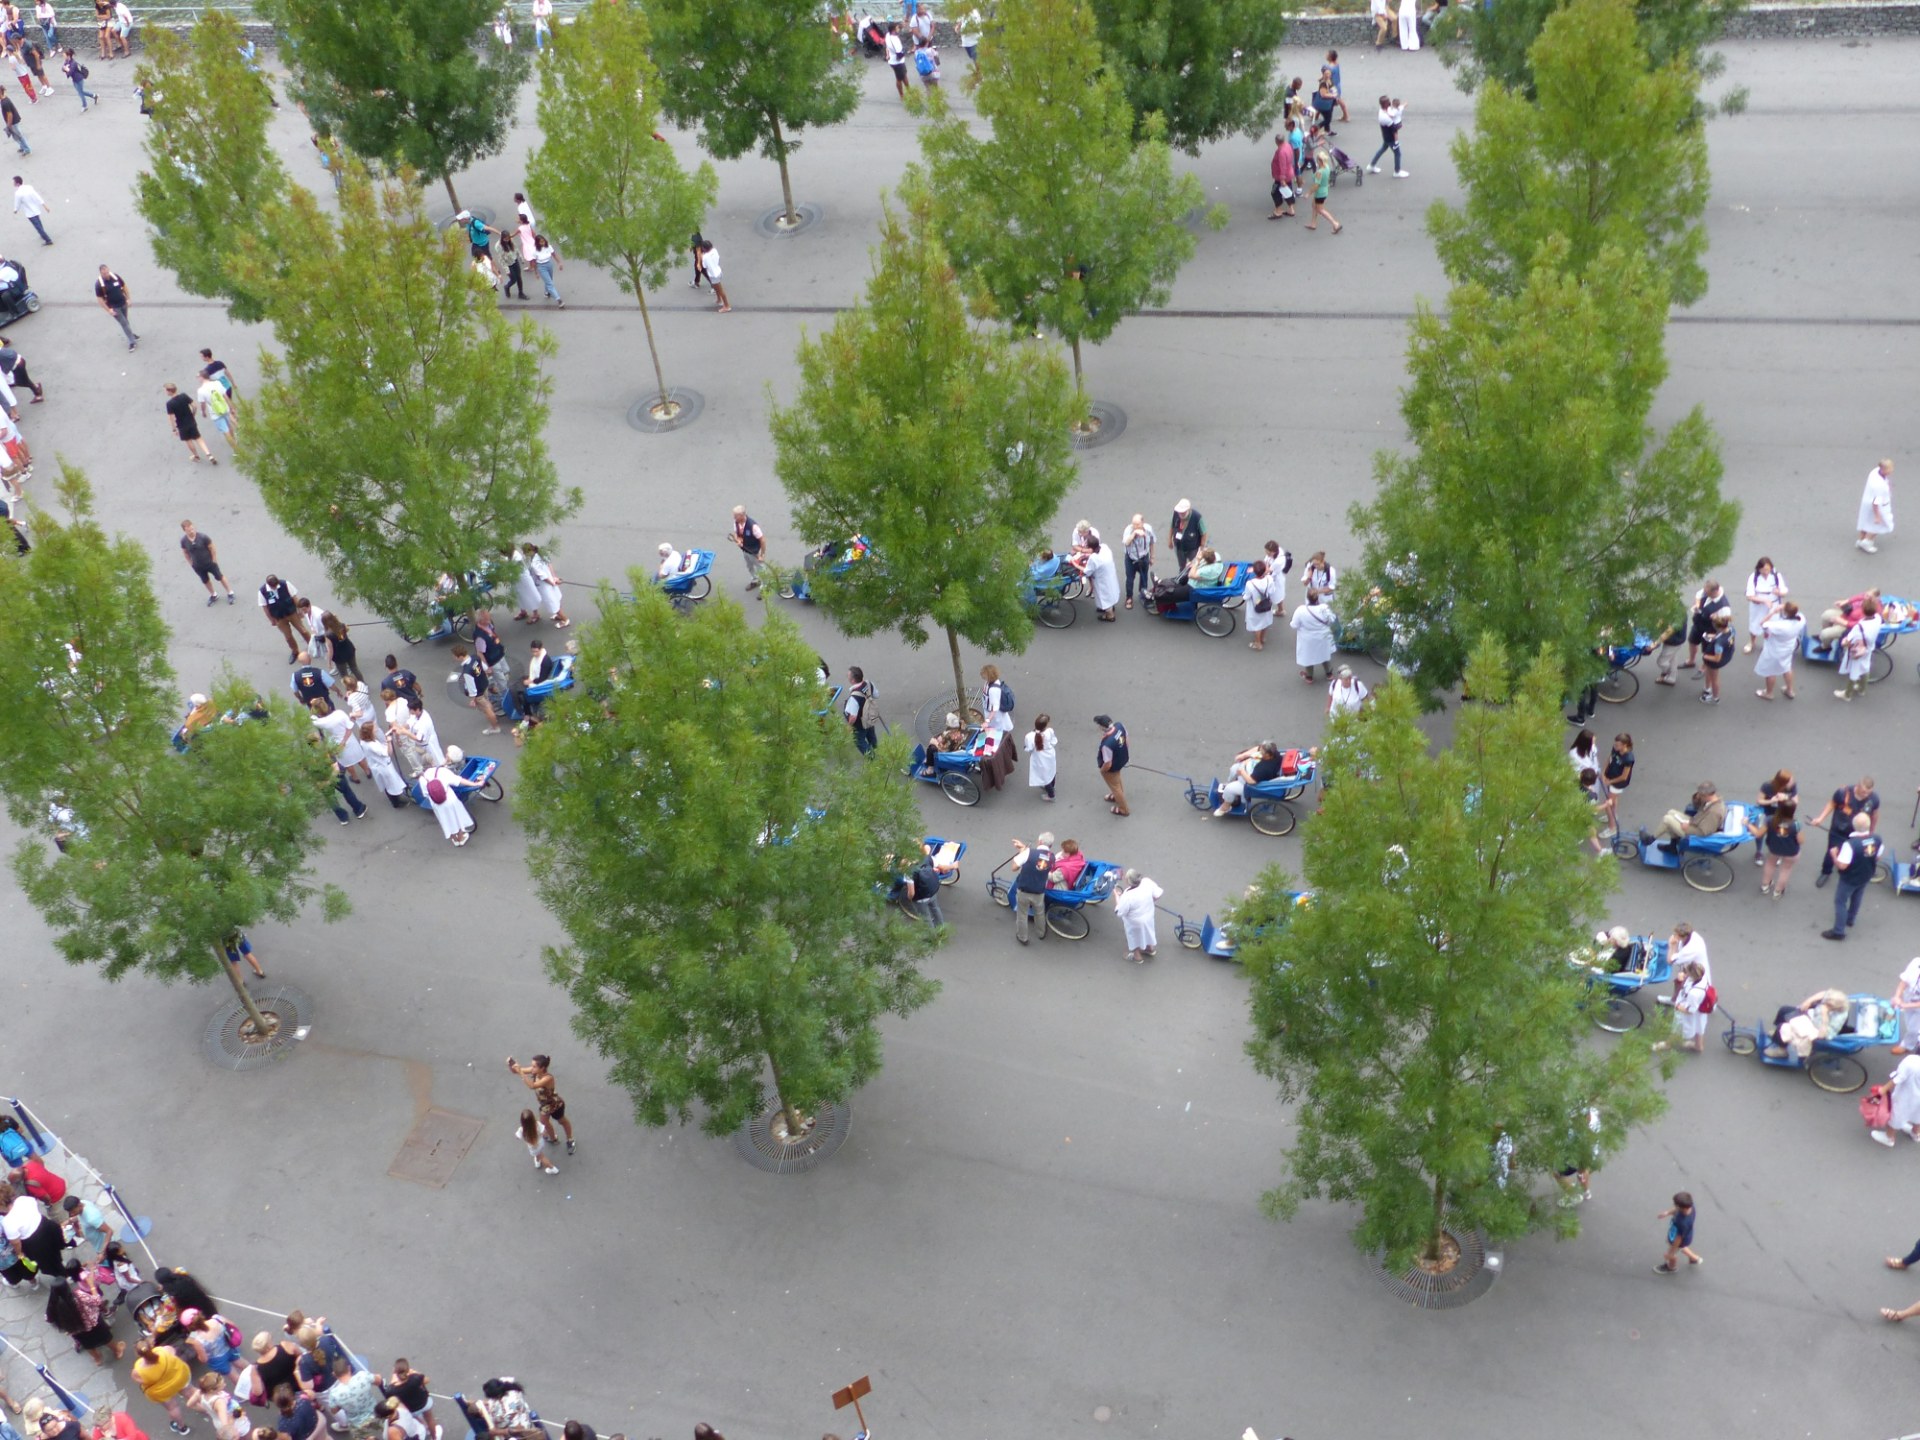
1619	951
1044	574
1818	1017
1068	866
951	738
13	285
1705	814
1206	568
1253	766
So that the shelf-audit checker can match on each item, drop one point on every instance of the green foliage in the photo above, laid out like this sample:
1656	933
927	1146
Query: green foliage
1539	505
1060	218
1499	41
712	852
1422	1004
211	174
172	852
397	434
751	73
419	85
1207	68
1613	153
946	446
613	194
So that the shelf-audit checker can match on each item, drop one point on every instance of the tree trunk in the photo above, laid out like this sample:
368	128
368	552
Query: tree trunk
959	680
1077	385
646	319
1439	1214
447	180
261	1025
796	1122
786	181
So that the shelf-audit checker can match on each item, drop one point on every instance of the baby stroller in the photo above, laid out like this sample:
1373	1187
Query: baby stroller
873	37
15	298
1338	160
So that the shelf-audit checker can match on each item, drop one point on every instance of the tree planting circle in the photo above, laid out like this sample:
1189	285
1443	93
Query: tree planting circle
770	1146
933	714
479	212
1473	1267
685	405
1104	424
234	1042
773	223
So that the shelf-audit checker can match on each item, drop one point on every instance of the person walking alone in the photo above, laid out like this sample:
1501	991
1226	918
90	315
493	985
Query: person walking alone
31	203
751	541
180	415
1043	756
1392	116
1112	756
1876	504
10	114
545	257
1322	183
111	291
1679	1231
202	560
710	266
862	714
78	73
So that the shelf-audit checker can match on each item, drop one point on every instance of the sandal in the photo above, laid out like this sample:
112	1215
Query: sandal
1129	604
1893	1264
1888	1313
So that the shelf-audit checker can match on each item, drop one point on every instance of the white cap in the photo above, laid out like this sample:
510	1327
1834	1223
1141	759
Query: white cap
1183	507
455	754
196	699
464	215
953	720
666	548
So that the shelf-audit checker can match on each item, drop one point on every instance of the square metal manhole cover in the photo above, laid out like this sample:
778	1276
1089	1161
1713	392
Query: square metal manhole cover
435	1147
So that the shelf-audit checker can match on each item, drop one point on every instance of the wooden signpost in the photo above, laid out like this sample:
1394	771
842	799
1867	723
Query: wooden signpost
851	1396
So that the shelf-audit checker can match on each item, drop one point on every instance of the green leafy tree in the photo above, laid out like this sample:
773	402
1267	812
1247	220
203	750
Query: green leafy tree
1060	217
1559	167
419	85
1421	1006
725	920
211	175
611	188
952	477
1207	68
166	855
751	73
397	433
1496	42
1538	504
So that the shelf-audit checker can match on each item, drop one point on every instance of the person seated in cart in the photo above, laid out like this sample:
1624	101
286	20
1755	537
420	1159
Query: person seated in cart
672	562
1254	766
1705	814
1818	1017
1044	571
945	741
1206	568
1615	948
1067	866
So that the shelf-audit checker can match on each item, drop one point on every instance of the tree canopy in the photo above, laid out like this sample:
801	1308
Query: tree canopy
211	174
397	433
1059	217
1421	1007
724	917
420	85
752	73
612	191
1538	504
1208	67
169	853
953	477
1612	152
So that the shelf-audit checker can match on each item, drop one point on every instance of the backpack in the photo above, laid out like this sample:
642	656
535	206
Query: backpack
1286	561
233	1331
1006	697
923	62
1709	1001
436	792
1290	763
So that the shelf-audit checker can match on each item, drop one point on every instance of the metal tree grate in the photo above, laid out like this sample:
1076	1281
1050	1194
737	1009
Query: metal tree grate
1105	424
231	1040
808	216
1470	1278
779	1155
642	417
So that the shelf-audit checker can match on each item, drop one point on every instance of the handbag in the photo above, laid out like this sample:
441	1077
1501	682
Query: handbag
1263	601
1876	1108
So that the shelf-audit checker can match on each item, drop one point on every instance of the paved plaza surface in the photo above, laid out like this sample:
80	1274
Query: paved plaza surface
1046	1220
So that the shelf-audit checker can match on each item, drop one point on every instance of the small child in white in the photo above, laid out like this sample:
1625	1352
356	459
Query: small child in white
536	1143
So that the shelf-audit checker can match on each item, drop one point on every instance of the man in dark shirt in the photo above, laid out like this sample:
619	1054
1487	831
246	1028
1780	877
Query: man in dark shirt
13	366
214	369
1113	759
1847	801
409	1387
298	1419
180	413
1029	897
111	291
197	547
10	113
402	682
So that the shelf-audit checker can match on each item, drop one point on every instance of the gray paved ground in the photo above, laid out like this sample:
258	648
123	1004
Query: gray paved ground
1048	1204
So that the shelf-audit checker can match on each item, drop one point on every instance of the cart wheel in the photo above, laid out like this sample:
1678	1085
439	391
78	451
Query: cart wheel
1620	1016
950	877
1057	614
683	603
1213	620
1882	873
461	628
1625	846
1187	935
962	789
33	303
1706	872
1836	1074
1380	654
492	790
1880	666
1000	892
1272	817
1076	588
1742	1042
1071	924
785	588
1619	687
700	587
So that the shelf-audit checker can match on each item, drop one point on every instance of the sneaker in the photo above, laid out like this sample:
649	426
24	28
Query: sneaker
1663	1269
178	1428
1833	934
213	599
569	1147
1664	680
346	822
229	597
1707	698
1843	695
1373	169
1881	1137
550	1169
1820	880
1866	545
1402	174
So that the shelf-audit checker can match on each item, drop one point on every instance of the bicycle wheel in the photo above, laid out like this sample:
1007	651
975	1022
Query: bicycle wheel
1057	614
784	587
461	628
492	790
1741	1042
1619	687
950	877
963	789
682	603
1620	1015
699	587
1272	817
1187	935
1070	924
1706	872
1625	846
1880	666
1882	873
1000	892
1214	620
1076	588
1836	1074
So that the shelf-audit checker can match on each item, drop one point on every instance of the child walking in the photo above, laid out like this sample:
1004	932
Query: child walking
536	1142
1679	1234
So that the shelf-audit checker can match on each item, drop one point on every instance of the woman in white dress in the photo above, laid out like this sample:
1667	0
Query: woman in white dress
1043	756
1135	908
548	584
1104	578
526	590
422	726
996	719
380	761
408	753
1856	651
360	707
455	821
1876	506
1319	575
1687	1008
1906	1096
343	744
1313	624
1409	24
1262	601
1780	634
1764	586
